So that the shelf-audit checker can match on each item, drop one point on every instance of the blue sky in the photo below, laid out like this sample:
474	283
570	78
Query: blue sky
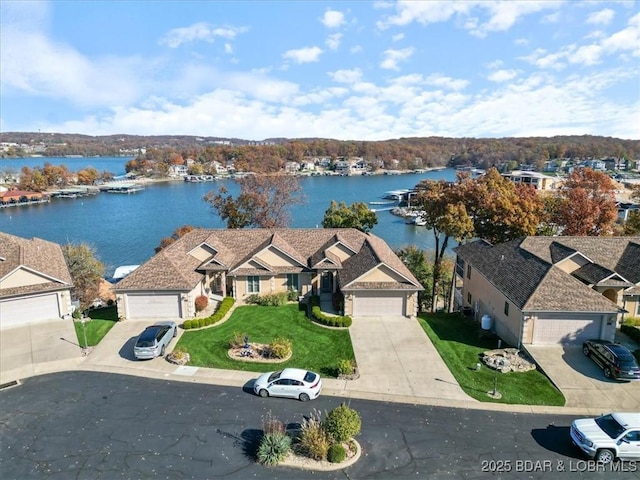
349	70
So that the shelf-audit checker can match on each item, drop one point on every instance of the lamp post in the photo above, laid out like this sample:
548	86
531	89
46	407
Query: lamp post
84	332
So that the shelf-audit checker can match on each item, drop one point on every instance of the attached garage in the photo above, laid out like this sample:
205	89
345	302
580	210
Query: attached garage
550	331
153	306
30	309
374	303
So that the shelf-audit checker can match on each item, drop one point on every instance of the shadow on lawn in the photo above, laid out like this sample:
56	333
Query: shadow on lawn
454	327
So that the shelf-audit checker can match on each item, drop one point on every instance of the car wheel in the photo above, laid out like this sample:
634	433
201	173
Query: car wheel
263	393
585	350
162	350
607	372
304	397
604	456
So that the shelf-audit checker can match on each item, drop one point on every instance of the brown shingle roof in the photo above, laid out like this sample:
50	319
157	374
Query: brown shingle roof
37	255
174	268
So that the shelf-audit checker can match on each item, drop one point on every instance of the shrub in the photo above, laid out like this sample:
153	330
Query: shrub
342	423
280	347
179	354
202	322
273	448
313	440
336	453
345	367
188	324
330	321
237	340
201	303
269	299
632	321
633	332
292	295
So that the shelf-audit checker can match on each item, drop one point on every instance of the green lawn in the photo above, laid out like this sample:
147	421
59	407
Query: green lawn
460	341
314	347
102	319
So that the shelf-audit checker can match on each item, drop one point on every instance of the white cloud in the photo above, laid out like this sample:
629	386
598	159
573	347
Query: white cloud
552	18
332	19
391	57
602	17
356	49
397	37
346	76
446	82
200	31
587	55
333	41
303	55
228	48
502	75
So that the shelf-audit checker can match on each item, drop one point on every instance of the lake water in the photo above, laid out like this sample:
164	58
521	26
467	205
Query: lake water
125	228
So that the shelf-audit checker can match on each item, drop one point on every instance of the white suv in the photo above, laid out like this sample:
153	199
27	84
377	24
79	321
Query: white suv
616	435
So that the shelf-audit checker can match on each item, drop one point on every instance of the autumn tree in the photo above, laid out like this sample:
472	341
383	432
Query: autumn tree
264	201
86	271
587	204
177	233
87	176
417	262
500	209
358	216
446	215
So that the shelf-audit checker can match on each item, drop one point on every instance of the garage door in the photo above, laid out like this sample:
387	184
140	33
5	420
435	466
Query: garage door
553	331
378	303
32	309
154	306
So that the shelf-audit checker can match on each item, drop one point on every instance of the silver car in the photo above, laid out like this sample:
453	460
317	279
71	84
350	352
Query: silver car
154	340
290	382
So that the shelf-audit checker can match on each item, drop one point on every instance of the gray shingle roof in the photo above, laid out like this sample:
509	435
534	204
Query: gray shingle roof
524	270
35	254
174	269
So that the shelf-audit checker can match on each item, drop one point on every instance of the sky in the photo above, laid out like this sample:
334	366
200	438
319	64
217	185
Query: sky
347	70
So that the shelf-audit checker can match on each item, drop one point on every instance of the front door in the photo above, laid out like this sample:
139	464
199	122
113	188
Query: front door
327	282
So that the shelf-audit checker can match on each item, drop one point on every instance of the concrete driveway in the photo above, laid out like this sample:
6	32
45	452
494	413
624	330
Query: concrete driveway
396	358
582	381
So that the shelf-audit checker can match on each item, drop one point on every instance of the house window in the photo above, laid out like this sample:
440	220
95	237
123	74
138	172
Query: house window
506	308
253	284
469	298
292	281
468	271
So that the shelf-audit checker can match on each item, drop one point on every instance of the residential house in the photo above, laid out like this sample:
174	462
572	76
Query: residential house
35	306
245	262
537	180
550	290
178	170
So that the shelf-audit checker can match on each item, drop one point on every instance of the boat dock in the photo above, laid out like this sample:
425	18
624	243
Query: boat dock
121	187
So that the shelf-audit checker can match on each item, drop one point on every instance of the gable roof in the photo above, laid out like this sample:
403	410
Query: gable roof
173	268
525	270
39	256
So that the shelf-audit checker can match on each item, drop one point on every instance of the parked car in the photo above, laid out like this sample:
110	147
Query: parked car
154	340
615	359
290	382
611	436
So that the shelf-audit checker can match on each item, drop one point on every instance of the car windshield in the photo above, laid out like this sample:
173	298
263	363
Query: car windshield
274	376
310	377
610	426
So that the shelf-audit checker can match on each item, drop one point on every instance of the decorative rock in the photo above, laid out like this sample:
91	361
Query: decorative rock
507	360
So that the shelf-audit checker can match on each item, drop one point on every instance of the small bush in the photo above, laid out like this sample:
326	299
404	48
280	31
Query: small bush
313	440
237	340
188	324
345	367
633	332
632	321
271	425
330	321
201	303
292	295
273	448
342	423
336	453
202	322
269	300
280	347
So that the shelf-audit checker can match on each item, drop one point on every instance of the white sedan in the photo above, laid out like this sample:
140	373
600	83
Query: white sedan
290	382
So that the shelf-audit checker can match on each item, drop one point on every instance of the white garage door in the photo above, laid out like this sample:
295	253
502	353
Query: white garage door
378	303
553	331
154	306
25	310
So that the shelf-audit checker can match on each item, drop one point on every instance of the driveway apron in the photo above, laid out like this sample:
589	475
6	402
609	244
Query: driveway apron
396	358
582	382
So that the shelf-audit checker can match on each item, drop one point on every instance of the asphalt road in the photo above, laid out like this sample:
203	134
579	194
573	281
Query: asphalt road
83	425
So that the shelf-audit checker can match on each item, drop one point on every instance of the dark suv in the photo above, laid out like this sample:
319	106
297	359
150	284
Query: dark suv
615	359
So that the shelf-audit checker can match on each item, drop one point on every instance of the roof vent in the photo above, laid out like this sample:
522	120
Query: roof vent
501	257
